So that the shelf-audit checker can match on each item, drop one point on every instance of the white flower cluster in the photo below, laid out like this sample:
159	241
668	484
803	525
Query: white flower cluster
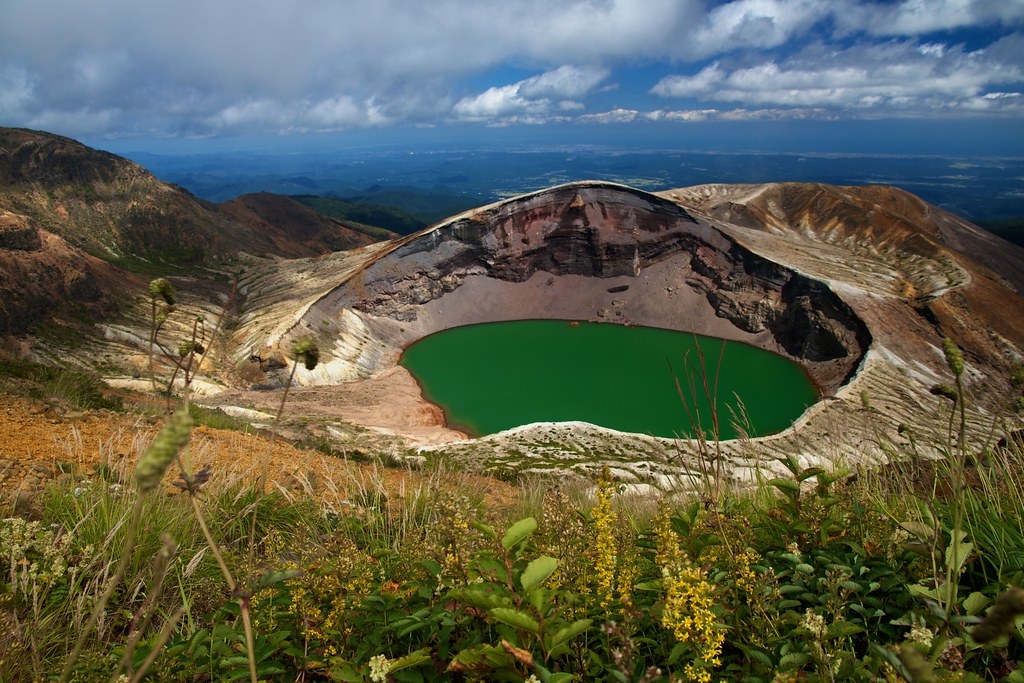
379	668
35	557
815	624
921	634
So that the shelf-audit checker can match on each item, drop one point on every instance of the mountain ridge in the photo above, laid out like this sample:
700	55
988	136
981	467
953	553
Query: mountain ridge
92	217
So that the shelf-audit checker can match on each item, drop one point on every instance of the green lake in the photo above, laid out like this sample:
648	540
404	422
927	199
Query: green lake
494	376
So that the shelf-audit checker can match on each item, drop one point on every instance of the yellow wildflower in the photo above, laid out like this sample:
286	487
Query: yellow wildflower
689	599
604	543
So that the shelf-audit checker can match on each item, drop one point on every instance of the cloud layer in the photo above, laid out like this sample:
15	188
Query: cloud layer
199	68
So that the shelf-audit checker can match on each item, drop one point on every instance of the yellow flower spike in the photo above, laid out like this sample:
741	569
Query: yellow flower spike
604	543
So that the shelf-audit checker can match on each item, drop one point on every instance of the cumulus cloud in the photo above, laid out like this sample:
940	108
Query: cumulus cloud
918	17
535	97
194	67
893	76
754	24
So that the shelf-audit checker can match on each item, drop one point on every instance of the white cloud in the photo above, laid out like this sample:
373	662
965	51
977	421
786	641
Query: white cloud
898	76
745	24
920	17
534	97
614	116
200	68
565	82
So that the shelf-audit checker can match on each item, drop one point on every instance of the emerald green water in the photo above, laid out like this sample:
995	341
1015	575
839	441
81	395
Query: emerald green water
495	376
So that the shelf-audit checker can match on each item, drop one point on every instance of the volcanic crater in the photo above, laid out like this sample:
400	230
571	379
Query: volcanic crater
861	310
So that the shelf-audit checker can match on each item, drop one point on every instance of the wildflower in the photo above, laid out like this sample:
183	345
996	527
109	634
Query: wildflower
193	483
379	668
954	356
814	624
746	579
308	351
921	634
688	604
163	289
187	347
794	548
604	543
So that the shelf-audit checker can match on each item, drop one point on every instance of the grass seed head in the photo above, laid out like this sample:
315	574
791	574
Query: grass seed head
954	356
308	351
1000	619
167	444
163	289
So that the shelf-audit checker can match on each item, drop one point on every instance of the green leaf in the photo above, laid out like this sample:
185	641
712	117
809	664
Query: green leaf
759	655
537	598
1016	676
487	531
794	661
518	532
481	595
346	673
787	486
810	472
410	660
559	677
515	619
957	553
480	659
842	629
567	633
922	591
271	578
537	571
921	531
975	603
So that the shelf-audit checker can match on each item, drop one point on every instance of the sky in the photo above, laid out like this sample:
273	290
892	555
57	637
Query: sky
907	73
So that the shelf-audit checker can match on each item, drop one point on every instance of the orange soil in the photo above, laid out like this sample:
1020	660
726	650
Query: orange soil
39	445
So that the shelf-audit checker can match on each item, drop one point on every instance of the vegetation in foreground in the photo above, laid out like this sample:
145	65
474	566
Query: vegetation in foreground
910	573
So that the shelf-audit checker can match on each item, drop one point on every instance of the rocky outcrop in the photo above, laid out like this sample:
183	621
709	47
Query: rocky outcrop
43	278
17	234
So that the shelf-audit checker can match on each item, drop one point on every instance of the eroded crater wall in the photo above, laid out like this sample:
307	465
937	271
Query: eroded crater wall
602	234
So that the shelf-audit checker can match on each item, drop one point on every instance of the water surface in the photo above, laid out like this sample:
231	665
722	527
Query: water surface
491	377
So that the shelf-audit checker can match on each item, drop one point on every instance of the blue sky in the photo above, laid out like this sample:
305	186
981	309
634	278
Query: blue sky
899	75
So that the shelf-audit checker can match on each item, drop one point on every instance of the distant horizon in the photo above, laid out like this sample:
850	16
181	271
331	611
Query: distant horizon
898	137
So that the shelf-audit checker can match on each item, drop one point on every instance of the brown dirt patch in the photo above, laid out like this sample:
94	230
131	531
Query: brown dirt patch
40	445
